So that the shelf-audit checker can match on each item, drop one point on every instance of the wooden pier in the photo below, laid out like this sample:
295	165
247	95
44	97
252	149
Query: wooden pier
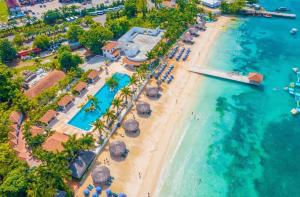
253	12
252	78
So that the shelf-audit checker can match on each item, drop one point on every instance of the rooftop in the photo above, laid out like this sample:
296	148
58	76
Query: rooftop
49	115
80	86
80	164
138	41
65	100
110	45
51	79
93	74
55	142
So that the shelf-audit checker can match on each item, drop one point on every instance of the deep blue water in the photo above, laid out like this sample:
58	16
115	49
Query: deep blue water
104	96
246	142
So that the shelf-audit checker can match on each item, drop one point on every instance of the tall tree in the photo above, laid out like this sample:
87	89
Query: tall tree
130	8
67	60
8	85
125	93
95	38
7	51
42	42
74	32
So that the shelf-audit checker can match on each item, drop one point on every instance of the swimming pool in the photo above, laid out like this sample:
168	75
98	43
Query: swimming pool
104	96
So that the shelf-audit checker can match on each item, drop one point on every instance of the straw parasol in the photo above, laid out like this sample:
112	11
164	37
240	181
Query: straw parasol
117	149
152	92
143	108
131	126
100	175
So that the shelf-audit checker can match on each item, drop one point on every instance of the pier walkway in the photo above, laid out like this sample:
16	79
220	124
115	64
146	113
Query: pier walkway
252	78
249	11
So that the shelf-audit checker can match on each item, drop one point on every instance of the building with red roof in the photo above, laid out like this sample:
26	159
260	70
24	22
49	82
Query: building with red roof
111	51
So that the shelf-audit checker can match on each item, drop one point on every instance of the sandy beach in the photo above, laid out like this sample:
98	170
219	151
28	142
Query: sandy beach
150	151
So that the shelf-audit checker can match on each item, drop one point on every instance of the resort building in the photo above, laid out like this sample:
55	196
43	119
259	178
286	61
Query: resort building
111	51
65	102
211	3
49	116
131	65
34	130
137	42
81	163
16	118
255	78
93	76
46	82
54	143
80	88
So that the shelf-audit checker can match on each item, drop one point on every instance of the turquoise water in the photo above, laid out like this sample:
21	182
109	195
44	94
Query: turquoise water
104	96
245	142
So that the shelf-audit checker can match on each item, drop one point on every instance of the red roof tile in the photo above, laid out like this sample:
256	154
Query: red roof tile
80	86
55	142
49	115
64	101
50	80
93	74
110	45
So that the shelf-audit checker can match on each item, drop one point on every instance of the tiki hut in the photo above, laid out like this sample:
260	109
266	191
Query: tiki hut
152	92
143	108
131	126
187	38
194	31
117	149
100	175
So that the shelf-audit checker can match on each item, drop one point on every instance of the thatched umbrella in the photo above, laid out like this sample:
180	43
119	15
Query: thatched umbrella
100	175
131	126
152	92
143	108
117	149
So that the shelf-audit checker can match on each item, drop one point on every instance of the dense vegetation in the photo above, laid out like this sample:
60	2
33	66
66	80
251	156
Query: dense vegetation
233	7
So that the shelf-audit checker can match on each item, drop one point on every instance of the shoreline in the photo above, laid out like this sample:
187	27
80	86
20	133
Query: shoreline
150	152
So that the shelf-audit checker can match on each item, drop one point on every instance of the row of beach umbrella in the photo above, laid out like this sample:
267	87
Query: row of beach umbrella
165	76
108	192
160	70
186	54
180	54
173	52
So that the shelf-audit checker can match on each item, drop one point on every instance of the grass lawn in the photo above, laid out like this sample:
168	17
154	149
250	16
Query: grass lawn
3	11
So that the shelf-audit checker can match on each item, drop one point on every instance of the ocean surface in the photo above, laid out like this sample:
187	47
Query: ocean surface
242	141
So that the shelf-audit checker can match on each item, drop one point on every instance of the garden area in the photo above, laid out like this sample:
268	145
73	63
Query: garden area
4	13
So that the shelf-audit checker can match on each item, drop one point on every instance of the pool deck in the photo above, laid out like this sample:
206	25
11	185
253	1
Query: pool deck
61	125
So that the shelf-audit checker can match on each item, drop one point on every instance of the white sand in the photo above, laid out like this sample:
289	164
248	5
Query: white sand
149	152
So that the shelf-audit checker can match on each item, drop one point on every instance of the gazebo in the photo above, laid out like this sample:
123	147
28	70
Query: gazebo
143	108
117	149
131	126
100	175
152	92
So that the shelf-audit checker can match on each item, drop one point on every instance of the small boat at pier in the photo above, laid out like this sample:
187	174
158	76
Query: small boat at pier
267	15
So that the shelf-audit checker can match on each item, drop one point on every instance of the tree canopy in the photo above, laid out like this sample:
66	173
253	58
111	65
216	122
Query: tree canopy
74	32
233	7
7	51
42	42
51	16
95	38
67	61
8	85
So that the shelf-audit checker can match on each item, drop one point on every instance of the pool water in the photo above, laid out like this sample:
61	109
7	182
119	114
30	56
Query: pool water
104	96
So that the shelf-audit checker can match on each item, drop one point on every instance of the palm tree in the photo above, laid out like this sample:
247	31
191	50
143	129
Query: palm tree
110	116
125	93
112	83
116	103
99	126
134	81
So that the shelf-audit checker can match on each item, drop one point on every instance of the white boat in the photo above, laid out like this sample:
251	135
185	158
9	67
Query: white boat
294	31
295	69
294	111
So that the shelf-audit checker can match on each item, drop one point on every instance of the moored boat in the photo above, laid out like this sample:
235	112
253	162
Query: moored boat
282	9
294	31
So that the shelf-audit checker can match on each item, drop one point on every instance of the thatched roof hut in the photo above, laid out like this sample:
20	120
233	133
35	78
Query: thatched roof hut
100	175
152	92
117	149
143	108
131	126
